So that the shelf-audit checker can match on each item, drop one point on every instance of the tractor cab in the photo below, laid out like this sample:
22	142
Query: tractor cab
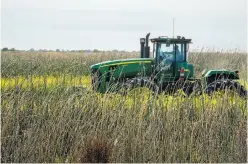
170	57
170	50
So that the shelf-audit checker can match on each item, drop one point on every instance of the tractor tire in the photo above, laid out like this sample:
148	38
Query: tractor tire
226	85
125	87
169	89
174	89
193	88
138	82
188	87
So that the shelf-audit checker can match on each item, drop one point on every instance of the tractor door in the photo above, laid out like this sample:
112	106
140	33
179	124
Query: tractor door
165	57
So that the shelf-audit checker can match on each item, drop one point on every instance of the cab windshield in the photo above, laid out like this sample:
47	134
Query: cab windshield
171	52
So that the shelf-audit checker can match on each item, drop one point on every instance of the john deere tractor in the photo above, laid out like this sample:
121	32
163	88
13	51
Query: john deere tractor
165	70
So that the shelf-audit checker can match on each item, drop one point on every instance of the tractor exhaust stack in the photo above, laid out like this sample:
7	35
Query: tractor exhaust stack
147	48
144	47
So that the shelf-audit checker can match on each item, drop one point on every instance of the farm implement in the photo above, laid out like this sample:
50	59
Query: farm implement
165	70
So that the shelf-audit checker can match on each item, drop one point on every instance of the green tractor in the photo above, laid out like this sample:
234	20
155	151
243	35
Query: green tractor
166	71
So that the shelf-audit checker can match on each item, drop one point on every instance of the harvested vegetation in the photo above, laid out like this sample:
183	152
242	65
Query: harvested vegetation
48	115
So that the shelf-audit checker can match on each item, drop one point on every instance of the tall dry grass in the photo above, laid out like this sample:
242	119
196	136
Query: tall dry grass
68	126
57	63
64	124
54	63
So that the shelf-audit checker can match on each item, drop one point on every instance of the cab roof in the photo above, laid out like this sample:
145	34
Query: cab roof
171	40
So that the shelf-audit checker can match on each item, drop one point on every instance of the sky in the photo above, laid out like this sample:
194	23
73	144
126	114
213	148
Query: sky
118	24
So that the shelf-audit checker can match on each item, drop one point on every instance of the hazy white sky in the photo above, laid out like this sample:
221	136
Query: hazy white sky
118	24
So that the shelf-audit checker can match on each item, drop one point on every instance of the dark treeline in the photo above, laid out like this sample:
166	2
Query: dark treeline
61	50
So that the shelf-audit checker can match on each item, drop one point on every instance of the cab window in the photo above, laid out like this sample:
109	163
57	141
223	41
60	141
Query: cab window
165	52
179	49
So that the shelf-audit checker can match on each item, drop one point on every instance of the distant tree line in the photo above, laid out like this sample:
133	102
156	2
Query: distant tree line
61	50
7	49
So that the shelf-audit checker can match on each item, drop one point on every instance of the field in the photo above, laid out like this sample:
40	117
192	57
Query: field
50	114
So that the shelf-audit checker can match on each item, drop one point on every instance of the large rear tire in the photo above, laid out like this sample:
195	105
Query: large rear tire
188	87
131	84
224	85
